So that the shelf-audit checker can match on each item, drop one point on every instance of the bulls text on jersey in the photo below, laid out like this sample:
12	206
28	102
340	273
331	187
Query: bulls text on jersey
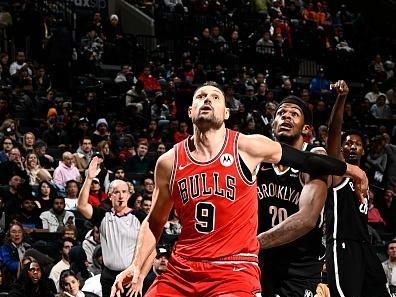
198	185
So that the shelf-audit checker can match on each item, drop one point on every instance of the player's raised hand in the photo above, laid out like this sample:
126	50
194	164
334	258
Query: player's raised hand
129	278
360	181
340	87
93	168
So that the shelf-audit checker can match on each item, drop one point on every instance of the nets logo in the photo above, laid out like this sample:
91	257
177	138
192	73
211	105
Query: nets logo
308	293
226	160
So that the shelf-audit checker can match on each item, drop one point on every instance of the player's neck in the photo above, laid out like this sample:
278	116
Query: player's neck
207	144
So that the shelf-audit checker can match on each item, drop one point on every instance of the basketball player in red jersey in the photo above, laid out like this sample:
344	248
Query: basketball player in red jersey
209	179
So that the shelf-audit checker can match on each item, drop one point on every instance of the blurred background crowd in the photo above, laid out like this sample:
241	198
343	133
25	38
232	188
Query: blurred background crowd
74	85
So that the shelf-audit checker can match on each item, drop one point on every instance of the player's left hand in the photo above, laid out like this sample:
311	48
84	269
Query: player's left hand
340	87
129	279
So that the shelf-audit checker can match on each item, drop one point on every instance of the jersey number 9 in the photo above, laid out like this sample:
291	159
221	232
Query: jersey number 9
204	217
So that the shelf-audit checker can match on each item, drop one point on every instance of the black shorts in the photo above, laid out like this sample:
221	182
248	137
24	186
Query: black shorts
296	280
354	270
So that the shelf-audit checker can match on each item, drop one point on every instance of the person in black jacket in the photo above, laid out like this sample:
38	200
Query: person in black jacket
32	282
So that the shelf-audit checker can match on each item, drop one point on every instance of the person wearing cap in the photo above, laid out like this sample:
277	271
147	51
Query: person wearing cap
102	131
160	265
290	204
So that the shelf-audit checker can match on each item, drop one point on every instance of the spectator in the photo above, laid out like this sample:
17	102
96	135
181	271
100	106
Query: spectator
135	201
70	284
11	196
14	166
139	163
84	153
91	49
28	215
96	196
173	226
146	205
96	266
45	160
320	86
150	83
7	145
28	142
55	219
182	133
45	196
33	170
19	63
65	246
159	266
14	248
374	94
32	283
102	132
66	170
148	187
381	109
265	45
390	266
71	195
124	75
91	241
79	264
70	231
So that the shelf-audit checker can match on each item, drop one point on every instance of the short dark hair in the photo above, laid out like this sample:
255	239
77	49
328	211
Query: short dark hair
352	132
301	104
212	84
390	242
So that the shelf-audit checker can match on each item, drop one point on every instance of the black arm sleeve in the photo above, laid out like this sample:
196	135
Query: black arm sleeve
311	163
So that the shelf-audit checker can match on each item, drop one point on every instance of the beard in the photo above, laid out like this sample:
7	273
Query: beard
287	138
205	123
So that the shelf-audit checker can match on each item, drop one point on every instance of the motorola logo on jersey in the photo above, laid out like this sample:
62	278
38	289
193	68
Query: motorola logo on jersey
207	184
226	160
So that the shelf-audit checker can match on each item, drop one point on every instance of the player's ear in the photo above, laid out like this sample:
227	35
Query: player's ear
227	114
189	112
306	130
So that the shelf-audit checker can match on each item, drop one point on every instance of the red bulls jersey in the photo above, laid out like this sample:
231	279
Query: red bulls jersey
215	202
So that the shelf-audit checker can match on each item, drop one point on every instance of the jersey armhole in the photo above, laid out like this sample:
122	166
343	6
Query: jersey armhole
242	168
174	168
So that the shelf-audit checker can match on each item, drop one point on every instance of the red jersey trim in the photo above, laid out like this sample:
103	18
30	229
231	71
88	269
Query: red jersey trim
196	162
174	169
238	165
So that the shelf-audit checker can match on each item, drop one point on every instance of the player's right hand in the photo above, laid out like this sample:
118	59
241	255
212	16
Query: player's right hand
94	168
129	278
360	181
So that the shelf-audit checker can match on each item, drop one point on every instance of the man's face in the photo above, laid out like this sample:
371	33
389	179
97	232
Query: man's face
14	155
138	202
142	150
288	123
352	149
148	185
120	195
67	245
7	144
15	181
160	263
86	145
68	160
20	58
34	272
208	108
119	174
146	206
28	206
392	250
16	234
72	189
58	205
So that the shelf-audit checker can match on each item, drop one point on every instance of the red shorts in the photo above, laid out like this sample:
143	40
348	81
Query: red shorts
207	279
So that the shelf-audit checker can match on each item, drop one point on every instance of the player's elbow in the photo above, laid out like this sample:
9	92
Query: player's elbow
309	222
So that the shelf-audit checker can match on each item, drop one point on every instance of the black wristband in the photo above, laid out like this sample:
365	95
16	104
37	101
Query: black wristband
311	163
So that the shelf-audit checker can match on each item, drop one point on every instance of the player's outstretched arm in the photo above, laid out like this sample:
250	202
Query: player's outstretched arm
312	199
257	148
333	145
82	203
151	228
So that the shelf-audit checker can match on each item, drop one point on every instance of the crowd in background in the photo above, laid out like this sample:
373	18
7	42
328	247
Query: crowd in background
60	107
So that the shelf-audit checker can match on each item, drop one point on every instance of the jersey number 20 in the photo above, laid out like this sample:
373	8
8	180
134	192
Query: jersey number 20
278	215
204	217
